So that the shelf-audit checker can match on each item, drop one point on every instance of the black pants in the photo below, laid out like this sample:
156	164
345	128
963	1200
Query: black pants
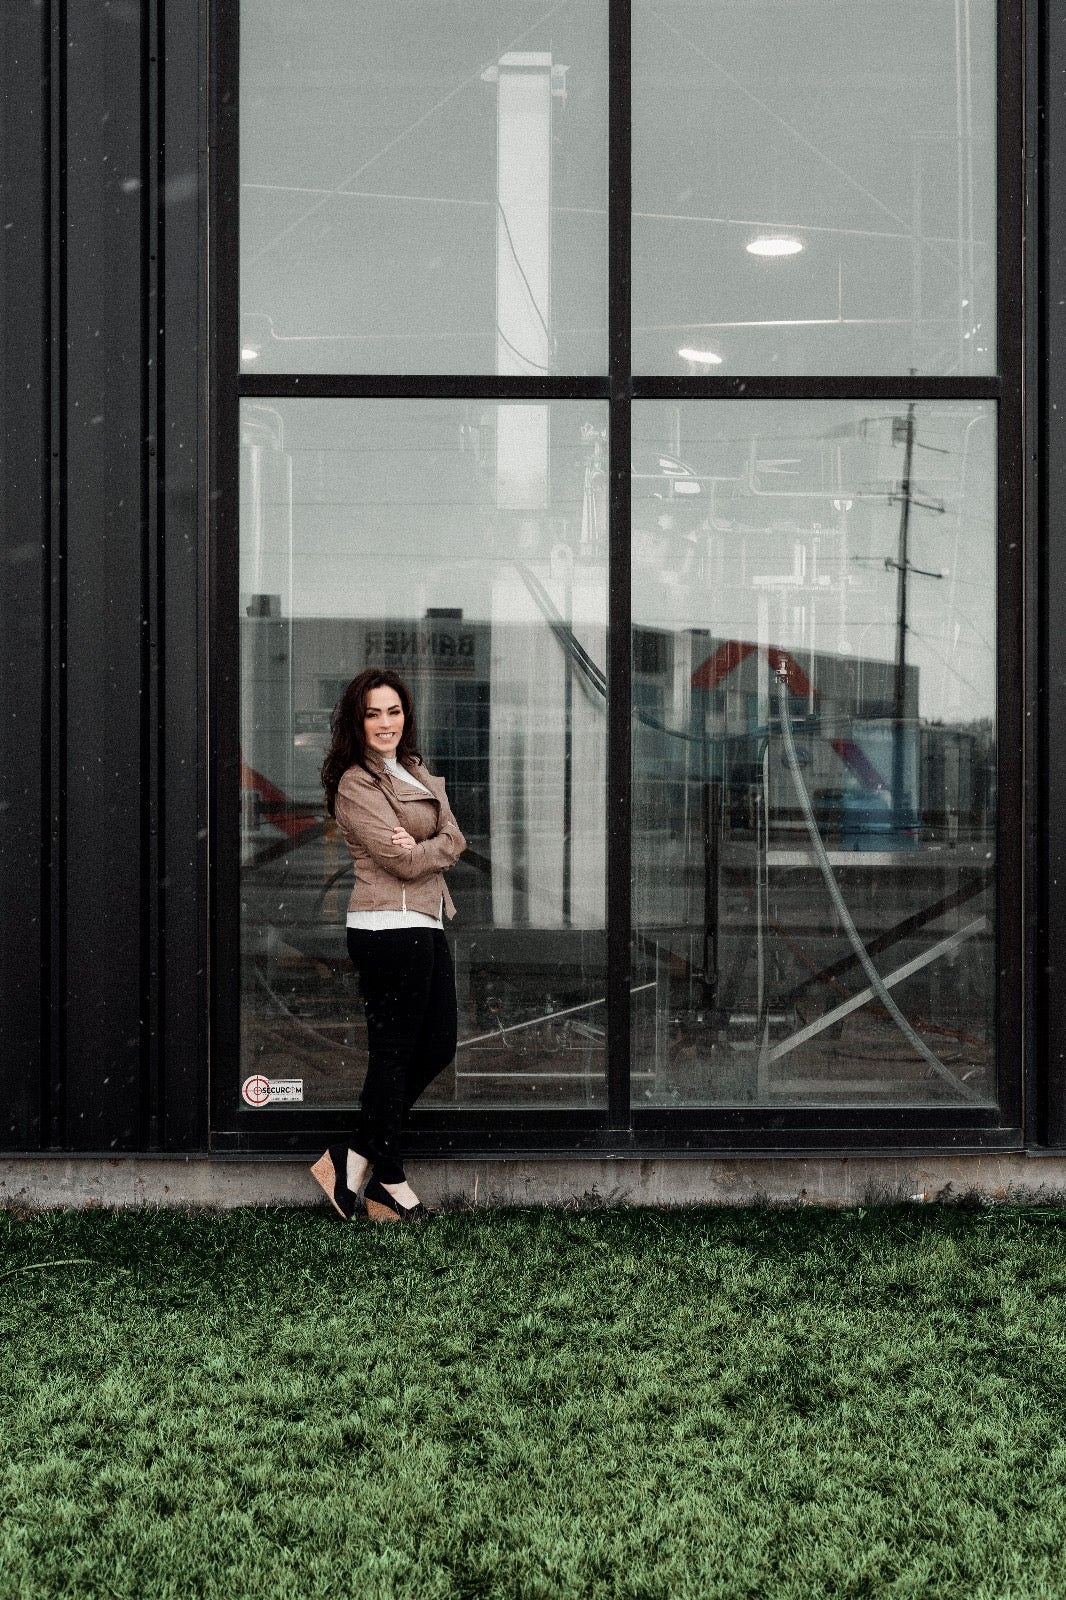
408	985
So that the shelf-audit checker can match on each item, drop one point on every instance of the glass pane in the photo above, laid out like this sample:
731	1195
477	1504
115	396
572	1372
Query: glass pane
464	546
814	661
814	186
423	186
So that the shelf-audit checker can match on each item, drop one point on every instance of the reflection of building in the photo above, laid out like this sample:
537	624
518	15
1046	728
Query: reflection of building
294	670
519	734
710	702
522	750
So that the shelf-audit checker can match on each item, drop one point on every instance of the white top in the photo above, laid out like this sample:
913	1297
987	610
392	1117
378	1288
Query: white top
394	770
381	921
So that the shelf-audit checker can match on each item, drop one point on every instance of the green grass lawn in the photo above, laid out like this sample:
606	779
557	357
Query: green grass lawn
531	1403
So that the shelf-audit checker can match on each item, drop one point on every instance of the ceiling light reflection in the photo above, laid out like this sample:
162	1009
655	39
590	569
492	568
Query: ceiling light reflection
709	358
770	245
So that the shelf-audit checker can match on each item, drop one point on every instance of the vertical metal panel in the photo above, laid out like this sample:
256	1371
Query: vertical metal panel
179	618
1053	520
54	947
152	603
223	583
1027	319
1013	736
104	577
23	562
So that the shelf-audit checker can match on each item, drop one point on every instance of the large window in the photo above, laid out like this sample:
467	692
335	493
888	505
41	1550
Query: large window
814	677
459	544
630	377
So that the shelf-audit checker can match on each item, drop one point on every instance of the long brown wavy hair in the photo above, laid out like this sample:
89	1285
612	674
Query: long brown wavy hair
348	745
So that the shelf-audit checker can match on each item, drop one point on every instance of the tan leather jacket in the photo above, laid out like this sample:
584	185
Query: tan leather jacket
369	806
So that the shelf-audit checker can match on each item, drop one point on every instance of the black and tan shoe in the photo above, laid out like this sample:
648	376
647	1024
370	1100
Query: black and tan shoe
381	1206
330	1171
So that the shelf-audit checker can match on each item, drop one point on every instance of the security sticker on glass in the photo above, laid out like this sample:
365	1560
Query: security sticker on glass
259	1091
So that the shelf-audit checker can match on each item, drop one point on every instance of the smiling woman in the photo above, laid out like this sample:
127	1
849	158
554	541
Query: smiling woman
402	837
383	720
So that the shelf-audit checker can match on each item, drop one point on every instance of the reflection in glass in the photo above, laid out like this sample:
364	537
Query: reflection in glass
814	186
814	757
464	546
423	187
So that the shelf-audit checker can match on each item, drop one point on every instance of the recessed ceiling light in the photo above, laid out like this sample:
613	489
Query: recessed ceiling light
248	353
768	245
709	358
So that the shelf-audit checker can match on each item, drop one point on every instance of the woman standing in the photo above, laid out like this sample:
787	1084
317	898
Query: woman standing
397	823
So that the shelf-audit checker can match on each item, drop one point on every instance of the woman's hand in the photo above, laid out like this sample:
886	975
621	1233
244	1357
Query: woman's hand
402	839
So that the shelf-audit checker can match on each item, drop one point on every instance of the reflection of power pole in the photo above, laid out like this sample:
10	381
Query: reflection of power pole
903	429
899	688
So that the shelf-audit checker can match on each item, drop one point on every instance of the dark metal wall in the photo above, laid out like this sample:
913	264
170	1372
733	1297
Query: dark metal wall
24	478
102	828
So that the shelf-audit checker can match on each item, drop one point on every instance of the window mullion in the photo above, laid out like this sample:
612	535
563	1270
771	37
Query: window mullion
619	809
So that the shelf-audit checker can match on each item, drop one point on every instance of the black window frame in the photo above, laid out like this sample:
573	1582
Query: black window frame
1023	1113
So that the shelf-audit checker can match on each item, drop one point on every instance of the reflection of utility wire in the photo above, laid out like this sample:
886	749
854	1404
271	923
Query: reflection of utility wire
646	720
600	212
522	274
592	676
464	83
571	645
521	356
790	128
944	662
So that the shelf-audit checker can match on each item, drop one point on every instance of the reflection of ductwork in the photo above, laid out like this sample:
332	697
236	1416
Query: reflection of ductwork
663	477
680	504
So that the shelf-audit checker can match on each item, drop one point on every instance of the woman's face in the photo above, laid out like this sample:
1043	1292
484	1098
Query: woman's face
382	721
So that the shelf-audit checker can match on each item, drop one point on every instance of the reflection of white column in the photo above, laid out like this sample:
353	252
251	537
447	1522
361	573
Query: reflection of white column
524	88
588	874
527	771
522	457
523	212
526	766
528	733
